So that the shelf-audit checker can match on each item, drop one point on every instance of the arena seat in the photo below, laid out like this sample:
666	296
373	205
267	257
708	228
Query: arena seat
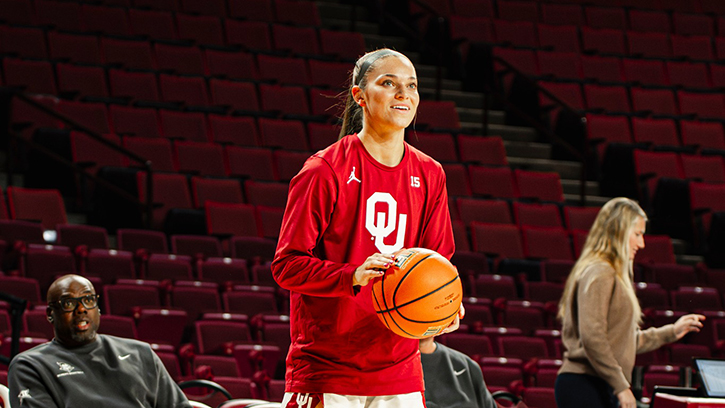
603	40
488	151
346	45
497	182
223	270
248	33
168	266
203	30
233	65
237	96
517	33
286	134
268	194
467	343
224	220
181	59
121	326
202	158
561	65
250	300
284	70
211	335
297	13
120	299
240	131
295	39
440	146
562	38
543	186
537	215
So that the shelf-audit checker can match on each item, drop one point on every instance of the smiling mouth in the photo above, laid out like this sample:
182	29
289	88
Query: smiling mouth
403	108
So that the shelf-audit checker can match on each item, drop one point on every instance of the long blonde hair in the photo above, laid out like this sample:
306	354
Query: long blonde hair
608	241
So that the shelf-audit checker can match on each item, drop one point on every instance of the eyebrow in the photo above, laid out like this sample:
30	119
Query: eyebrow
67	295
395	76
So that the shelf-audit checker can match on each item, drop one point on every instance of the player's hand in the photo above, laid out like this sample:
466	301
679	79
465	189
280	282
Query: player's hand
456	322
688	323
373	267
626	399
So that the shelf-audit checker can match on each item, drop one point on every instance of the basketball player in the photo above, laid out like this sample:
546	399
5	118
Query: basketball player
350	208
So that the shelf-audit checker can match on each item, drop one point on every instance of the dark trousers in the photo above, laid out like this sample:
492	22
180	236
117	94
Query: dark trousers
581	390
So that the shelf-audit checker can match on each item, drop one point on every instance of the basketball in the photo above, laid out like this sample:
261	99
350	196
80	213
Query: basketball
419	295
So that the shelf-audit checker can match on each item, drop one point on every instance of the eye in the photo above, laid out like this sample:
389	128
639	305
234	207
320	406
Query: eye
388	82
413	86
67	303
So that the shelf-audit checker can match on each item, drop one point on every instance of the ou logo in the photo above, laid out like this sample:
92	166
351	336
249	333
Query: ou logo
381	224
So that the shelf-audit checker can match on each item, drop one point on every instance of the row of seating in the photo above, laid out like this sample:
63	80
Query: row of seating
597	13
572	38
170	25
671	17
694	136
150	85
574	66
86	238
174	92
241	130
624	99
658	274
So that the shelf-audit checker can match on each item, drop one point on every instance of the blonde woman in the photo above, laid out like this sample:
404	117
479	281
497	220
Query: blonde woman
601	316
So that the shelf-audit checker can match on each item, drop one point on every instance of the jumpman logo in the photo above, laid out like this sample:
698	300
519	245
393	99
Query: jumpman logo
352	176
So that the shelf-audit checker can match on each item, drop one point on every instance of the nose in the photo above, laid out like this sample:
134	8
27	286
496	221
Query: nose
403	92
80	308
640	244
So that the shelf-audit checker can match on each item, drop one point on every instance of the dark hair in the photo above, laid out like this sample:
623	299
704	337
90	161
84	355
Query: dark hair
352	112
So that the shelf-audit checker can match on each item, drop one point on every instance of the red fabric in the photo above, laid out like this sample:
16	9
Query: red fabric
332	223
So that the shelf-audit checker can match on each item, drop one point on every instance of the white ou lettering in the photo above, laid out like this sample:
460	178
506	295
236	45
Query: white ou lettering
381	224
414	181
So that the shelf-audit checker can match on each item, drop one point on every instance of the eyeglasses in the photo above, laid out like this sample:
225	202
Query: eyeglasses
70	304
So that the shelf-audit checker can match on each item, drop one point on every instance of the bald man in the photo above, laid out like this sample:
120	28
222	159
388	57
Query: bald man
81	368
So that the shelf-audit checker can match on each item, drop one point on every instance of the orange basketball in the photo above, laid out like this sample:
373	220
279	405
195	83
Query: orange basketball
419	295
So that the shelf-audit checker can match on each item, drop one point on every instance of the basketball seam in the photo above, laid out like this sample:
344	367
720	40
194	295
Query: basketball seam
396	307
377	302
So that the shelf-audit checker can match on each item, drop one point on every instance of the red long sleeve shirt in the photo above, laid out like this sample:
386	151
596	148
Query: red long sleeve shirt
343	207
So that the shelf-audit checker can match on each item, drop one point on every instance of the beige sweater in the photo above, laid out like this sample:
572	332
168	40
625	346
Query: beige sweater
600	330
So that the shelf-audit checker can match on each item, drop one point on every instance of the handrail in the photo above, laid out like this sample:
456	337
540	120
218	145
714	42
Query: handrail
147	205
541	127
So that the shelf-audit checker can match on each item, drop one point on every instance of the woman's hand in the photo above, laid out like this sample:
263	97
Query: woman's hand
374	266
456	322
688	323
626	399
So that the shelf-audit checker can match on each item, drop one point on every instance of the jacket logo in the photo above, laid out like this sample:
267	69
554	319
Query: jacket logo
67	369
24	394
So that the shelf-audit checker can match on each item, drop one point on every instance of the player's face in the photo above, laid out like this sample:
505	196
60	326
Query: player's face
390	98
75	327
636	237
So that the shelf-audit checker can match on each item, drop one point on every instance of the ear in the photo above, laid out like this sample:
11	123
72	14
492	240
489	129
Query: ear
357	95
49	314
